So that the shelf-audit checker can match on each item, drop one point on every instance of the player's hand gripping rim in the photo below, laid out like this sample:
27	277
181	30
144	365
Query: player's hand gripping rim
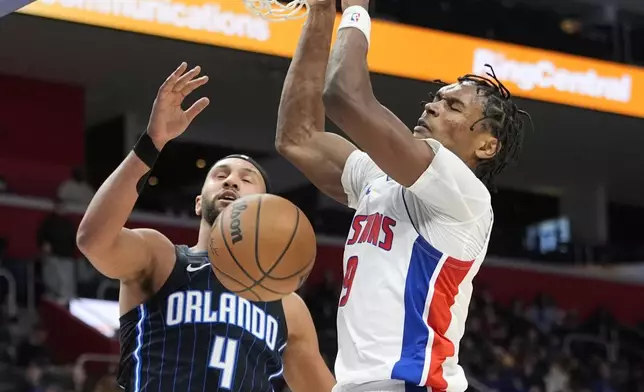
168	120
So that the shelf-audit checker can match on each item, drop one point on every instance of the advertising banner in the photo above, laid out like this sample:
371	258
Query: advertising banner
397	50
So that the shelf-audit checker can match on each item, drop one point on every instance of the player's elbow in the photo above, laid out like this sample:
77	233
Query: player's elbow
90	249
90	234
97	254
284	147
85	240
89	243
288	142
281	143
292	152
288	133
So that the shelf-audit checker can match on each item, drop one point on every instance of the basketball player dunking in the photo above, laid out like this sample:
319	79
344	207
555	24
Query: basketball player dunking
422	209
180	329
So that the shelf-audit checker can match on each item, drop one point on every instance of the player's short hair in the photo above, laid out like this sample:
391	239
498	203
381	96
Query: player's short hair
253	162
504	120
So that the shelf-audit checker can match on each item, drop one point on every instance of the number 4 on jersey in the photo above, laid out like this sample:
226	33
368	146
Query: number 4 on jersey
224	361
347	282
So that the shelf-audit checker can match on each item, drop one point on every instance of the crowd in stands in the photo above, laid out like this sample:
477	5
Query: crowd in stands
27	365
525	347
519	347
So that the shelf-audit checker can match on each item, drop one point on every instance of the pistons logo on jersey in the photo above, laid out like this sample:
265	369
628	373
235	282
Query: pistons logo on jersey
375	229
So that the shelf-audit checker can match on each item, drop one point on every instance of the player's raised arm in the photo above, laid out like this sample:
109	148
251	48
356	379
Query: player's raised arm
300	137
115	251
351	104
304	368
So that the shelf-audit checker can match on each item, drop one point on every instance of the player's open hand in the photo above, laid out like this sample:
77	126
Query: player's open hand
168	119
348	3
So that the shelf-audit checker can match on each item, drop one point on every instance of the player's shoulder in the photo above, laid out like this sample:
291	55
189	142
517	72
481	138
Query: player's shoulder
448	167
293	303
298	318
449	184
294	308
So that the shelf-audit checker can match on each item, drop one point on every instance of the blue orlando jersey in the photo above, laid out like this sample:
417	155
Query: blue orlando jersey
195	335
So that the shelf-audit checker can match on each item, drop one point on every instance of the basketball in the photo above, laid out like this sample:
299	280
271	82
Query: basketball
262	247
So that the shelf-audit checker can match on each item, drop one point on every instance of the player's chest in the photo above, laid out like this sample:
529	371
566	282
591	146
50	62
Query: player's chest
381	216
381	194
206	311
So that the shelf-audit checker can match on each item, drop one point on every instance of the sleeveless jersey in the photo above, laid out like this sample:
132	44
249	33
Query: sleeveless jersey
409	261
195	335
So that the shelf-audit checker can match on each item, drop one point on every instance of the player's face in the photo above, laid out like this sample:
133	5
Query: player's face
449	119
227	181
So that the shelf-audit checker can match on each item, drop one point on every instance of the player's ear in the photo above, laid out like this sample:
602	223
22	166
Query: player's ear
198	205
488	146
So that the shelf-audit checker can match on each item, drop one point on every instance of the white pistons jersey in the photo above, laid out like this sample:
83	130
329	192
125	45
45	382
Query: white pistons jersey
409	261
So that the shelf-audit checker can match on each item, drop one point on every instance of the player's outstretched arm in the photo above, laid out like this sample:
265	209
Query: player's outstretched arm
115	251
352	106
300	134
304	368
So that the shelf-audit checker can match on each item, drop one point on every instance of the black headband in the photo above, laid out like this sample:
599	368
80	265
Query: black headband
257	166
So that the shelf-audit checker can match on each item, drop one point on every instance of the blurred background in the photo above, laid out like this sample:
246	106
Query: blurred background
559	302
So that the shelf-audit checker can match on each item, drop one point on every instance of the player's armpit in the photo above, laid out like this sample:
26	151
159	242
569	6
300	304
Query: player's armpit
304	368
321	158
350	103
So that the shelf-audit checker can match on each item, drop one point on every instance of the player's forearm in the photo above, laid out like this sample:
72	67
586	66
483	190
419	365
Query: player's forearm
111	206
350	103
348	83
301	109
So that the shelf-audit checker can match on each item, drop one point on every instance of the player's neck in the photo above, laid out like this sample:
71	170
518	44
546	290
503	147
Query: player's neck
204	236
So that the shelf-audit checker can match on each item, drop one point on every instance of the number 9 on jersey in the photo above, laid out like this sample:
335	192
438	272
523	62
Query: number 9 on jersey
347	281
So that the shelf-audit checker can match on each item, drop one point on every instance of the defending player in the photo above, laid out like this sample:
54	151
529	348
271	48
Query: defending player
181	330
423	213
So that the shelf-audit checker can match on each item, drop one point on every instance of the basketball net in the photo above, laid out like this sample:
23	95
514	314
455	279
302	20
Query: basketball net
275	11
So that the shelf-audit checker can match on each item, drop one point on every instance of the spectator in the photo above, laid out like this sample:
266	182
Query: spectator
3	185
57	242
545	314
602	382
33	348
557	379
6	352
34	376
79	379
76	190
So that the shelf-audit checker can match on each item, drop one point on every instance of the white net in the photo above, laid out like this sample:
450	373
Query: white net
276	11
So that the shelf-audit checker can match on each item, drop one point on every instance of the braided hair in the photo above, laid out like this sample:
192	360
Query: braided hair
503	119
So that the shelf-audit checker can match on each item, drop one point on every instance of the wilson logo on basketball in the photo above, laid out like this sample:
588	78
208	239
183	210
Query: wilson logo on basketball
235	222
